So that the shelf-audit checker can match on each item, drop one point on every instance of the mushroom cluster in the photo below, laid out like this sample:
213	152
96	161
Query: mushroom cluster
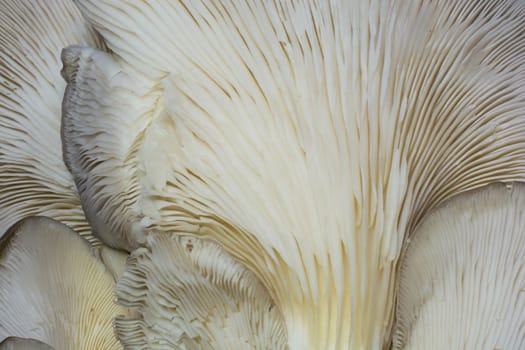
262	174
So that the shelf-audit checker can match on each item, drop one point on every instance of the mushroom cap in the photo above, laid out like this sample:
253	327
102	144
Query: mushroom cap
188	293
33	178
462	279
105	113
54	289
307	138
15	343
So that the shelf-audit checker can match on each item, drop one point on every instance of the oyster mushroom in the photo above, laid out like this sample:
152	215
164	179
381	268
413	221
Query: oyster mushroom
305	138
33	178
462	280
54	289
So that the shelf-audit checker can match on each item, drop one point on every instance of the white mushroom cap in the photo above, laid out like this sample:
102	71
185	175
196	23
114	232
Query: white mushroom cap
33	178
307	137
54	289
15	343
186	293
462	282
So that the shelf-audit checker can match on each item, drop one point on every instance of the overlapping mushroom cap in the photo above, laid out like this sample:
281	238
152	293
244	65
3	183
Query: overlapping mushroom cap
54	289
462	281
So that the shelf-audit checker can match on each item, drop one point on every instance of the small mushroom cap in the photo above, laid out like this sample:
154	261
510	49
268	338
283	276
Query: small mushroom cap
188	293
33	178
15	343
462	279
54	289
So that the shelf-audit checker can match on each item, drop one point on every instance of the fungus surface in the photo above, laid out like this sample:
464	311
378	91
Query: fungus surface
186	293
33	178
54	289
306	138
462	281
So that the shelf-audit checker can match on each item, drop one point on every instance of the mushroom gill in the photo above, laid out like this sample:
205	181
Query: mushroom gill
33	178
297	142
305	138
54	288
462	280
186	293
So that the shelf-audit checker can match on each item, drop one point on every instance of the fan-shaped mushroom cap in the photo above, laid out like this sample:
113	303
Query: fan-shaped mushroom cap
188	293
54	289
15	343
105	115
462	282
307	137
33	178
